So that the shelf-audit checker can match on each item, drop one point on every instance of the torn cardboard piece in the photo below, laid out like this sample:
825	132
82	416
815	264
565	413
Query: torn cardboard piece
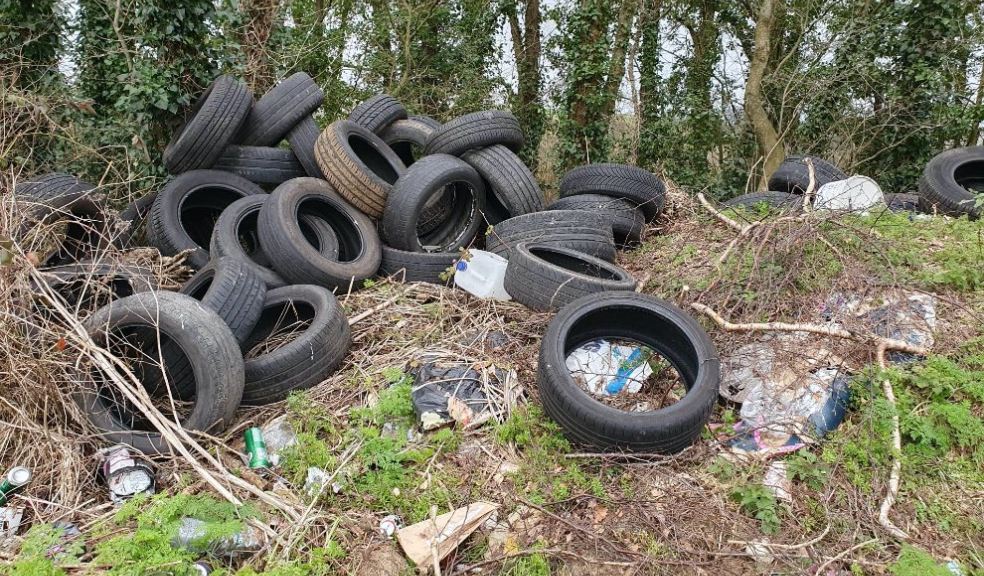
433	539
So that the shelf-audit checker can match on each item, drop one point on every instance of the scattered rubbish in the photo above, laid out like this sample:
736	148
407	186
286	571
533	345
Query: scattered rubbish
15	479
433	539
855	193
316	478
201	569
481	274
777	481
256	448
389	525
603	368
485	341
192	534
278	435
69	533
443	394
760	552
954	567
125	475
10	521
898	314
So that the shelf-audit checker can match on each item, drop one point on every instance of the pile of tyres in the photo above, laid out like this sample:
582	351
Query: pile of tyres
952	184
276	217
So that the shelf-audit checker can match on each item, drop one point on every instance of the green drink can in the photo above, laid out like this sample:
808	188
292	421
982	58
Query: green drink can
256	448
15	479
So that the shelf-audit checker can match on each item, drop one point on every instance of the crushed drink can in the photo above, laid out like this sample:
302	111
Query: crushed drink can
125	475
256	448
15	479
389	525
192	531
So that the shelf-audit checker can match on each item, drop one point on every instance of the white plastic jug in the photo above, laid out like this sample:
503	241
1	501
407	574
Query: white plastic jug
482	275
855	193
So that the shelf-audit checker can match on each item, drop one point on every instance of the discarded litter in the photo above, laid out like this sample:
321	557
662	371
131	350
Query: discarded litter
278	435
481	274
605	369
201	569
125	475
10	521
316	478
15	479
389	525
901	315
443	394
441	535
777	481
69	533
855	193
192	532
256	448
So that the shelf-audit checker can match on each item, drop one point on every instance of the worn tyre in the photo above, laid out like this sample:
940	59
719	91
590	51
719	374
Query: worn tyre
426	179
260	164
417	266
88	285
295	258
302	139
212	352
307	359
585	232
408	137
660	325
793	175
280	109
546	278
133	217
66	200
48	187
184	213
378	113
360	166
230	288
510	183
946	184
902	202
476	130
628	222
212	123
640	187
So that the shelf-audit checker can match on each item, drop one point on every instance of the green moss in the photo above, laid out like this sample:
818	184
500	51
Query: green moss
914	562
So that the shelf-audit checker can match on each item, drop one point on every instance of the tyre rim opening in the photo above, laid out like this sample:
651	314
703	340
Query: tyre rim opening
347	232
970	176
90	294
141	348
201	208
448	236
279	325
201	286
625	374
249	238
373	159
574	264
407	151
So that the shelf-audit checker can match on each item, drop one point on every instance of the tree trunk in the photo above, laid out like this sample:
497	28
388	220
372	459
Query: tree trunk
526	50
975	132
765	133
261	16
650	95
616	67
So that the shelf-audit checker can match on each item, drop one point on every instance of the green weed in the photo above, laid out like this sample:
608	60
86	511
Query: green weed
756	501
914	562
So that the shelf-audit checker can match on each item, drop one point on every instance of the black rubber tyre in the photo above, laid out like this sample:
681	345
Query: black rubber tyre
47	187
58	197
628	222
280	109
476	130
793	175
212	352
309	358
211	124
427	178
236	235
408	137
360	166
378	113
585	232
88	285
660	325
510	183
260	164
546	278
903	202
230	288
185	211
417	266
781	200
640	187
302	138
133	216
946	184
295	258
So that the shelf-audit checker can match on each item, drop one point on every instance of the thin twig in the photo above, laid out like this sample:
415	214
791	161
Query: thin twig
896	474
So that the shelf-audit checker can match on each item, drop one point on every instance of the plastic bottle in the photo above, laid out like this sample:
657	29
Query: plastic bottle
482	274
